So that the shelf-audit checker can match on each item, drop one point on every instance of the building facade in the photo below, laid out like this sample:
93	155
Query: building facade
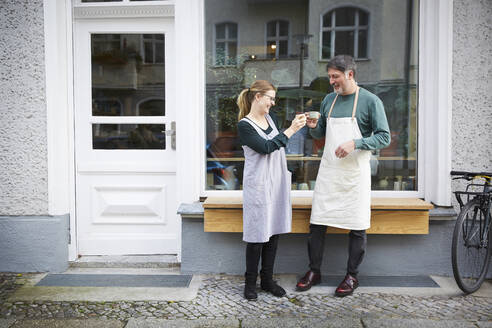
116	112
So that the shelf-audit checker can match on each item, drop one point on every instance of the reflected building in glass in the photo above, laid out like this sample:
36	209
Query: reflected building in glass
128	77
289	44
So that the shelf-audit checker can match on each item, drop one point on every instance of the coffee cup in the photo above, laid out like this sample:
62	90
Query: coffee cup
303	186
313	115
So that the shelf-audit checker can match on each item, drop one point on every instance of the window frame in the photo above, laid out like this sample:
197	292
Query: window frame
355	28
435	53
277	38
226	40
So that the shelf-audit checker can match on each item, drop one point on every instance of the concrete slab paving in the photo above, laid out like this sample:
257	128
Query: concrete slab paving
181	323
127	261
6	323
220	297
447	287
146	271
30	292
301	323
411	323
69	323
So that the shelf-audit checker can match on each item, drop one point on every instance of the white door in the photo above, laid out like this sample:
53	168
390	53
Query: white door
125	152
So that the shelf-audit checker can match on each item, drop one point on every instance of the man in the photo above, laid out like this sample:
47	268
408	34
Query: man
354	123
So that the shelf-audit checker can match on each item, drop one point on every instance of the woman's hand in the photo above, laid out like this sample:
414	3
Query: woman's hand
297	123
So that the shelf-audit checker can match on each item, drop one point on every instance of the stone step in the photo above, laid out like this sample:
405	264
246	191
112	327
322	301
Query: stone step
127	261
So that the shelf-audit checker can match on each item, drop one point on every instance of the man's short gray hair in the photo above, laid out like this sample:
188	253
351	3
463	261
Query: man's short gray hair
342	63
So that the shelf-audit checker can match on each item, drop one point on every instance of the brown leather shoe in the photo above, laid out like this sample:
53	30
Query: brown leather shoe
310	279
347	286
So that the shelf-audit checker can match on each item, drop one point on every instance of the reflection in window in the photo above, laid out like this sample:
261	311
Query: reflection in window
277	39
225	44
152	107
103	45
392	74
153	48
127	70
128	136
103	107
345	31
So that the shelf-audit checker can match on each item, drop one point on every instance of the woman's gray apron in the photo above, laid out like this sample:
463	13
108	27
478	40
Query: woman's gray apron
267	206
342	196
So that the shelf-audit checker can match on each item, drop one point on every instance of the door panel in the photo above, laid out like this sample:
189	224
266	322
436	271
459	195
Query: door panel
125	159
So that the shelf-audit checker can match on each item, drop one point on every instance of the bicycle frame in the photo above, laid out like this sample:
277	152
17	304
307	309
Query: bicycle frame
471	245
484	198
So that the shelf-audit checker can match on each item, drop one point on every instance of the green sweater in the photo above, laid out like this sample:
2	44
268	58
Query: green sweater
370	116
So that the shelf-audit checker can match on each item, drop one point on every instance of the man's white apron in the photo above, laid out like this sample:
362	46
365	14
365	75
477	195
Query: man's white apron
267	208
342	196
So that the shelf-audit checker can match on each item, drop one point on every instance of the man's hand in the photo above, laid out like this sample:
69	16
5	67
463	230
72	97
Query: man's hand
312	122
344	149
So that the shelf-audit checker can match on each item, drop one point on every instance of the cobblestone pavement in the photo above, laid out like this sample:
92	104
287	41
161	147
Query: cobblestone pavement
220	297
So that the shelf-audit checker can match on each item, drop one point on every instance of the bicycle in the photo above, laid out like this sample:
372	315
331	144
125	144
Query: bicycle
471	249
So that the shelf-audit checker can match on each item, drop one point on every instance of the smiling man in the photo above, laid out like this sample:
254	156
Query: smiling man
354	123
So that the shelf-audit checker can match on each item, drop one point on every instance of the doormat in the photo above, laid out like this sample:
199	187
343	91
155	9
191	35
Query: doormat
383	281
115	280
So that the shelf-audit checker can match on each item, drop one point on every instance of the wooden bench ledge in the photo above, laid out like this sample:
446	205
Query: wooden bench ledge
388	215
306	202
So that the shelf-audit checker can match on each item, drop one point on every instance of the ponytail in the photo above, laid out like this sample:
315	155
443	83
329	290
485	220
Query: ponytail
244	104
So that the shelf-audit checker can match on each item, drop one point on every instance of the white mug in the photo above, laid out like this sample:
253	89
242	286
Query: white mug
303	186
314	115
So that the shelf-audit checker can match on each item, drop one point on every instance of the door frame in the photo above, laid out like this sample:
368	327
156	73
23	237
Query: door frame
59	22
95	168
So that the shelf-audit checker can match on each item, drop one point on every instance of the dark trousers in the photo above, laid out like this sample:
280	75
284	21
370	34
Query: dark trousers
316	245
267	252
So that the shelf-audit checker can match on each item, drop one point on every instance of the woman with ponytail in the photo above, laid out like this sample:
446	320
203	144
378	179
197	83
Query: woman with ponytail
267	210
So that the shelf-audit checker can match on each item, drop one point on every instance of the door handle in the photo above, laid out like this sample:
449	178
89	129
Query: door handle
172	134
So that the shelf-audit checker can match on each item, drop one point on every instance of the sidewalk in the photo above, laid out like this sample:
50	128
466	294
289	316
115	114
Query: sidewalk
219	303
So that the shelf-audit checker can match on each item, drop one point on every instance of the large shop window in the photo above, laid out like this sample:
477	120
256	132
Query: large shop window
309	33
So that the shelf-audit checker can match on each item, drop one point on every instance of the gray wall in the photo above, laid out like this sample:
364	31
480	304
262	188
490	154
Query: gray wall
472	85
34	243
386	255
23	150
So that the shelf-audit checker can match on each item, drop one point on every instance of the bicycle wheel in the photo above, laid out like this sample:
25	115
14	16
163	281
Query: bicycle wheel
470	250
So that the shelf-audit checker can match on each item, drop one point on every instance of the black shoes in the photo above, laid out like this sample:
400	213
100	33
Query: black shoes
250	286
269	285
250	292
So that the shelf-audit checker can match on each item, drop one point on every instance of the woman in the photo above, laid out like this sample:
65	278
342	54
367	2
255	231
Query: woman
267	208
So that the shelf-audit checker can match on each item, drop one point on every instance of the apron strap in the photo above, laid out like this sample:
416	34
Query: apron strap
355	102
332	104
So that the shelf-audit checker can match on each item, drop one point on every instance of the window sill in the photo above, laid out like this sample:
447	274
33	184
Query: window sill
388	215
